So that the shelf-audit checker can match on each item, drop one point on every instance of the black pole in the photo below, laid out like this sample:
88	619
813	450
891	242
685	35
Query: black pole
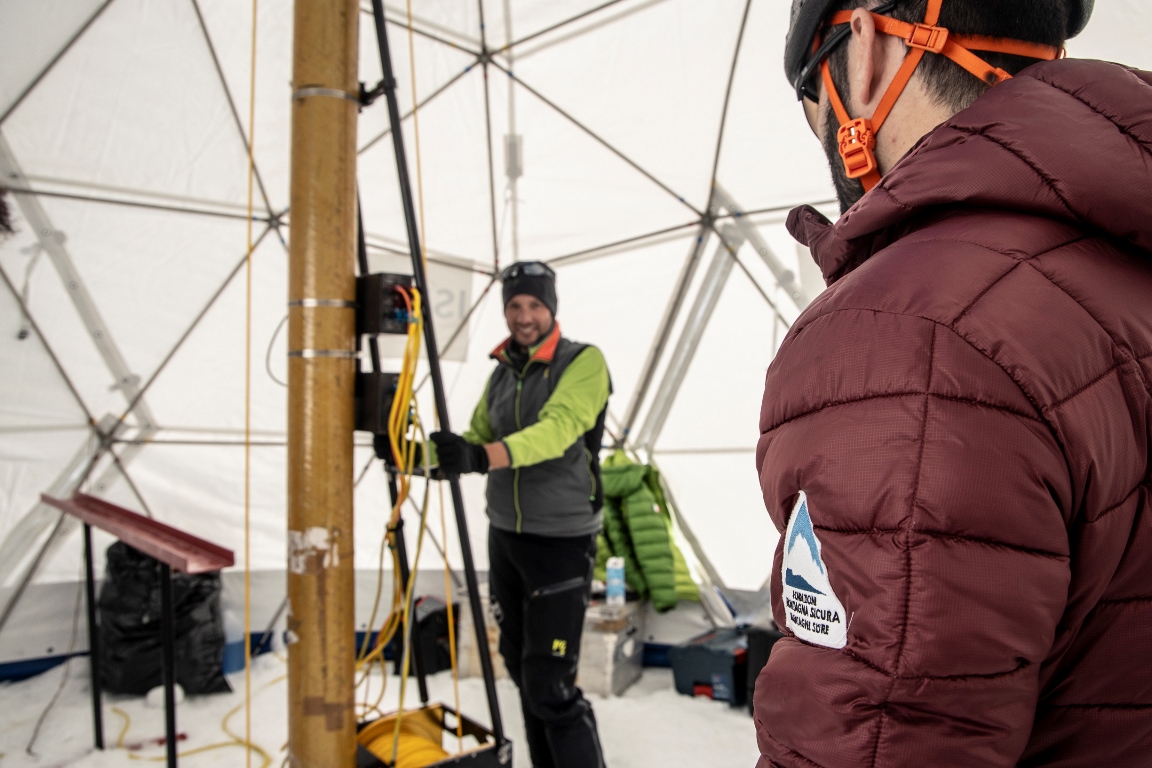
168	643
362	263
437	380
93	639
408	635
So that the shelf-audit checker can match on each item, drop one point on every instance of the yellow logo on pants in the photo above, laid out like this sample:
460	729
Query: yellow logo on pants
559	647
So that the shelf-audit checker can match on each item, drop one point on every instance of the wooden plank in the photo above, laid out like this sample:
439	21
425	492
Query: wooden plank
182	551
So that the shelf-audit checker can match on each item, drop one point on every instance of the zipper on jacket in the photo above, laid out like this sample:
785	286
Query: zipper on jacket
560	586
516	499
519	387
516	472
591	475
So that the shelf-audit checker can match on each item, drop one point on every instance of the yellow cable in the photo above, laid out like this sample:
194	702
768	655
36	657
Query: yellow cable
387	543
408	750
398	416
414	419
376	601
403	452
124	730
248	405
400	419
416	138
384	636
411	748
235	740
407	657
423	255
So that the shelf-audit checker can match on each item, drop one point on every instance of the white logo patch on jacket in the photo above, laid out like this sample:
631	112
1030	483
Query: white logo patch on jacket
812	609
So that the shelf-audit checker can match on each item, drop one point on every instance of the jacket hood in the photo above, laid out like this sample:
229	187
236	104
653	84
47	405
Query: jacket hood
620	475
1068	139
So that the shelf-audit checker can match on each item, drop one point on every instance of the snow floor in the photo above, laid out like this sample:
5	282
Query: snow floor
650	725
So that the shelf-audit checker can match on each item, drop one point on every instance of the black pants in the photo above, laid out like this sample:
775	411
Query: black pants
539	587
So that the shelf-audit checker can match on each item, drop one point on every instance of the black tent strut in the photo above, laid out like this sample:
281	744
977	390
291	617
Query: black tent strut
389	84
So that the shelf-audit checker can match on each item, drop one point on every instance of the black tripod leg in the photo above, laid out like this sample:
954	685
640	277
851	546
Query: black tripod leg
168	641
408	636
93	639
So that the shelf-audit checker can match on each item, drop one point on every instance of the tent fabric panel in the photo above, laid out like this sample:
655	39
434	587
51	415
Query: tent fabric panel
718	405
719	497
31	36
769	156
135	104
202	387
652	84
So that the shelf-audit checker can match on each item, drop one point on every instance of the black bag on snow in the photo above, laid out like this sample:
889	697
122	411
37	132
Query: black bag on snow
130	621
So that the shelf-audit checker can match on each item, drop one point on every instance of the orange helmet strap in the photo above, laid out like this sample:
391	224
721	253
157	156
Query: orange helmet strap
857	136
856	139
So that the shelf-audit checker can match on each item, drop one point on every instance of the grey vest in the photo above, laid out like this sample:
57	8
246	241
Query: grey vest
559	497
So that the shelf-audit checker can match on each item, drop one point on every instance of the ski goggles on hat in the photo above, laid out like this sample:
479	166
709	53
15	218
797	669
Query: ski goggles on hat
527	268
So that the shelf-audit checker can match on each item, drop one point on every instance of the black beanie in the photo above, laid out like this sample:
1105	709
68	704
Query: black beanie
542	287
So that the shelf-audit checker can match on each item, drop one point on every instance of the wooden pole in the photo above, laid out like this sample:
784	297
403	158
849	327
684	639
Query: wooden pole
321	372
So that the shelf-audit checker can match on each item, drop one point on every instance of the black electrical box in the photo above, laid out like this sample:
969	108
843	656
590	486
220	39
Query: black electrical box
374	394
432	633
380	307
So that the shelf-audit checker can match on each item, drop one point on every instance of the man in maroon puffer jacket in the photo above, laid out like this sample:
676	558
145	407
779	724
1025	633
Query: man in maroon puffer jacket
955	436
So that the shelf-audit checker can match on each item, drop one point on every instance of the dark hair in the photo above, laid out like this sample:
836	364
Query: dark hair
5	217
953	87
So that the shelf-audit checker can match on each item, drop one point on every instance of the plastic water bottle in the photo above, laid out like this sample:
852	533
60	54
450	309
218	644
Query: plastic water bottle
233	660
614	586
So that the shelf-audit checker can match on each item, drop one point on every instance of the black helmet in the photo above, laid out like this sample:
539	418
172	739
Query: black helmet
808	15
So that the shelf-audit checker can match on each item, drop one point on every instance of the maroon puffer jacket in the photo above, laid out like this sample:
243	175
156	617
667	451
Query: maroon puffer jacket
967	411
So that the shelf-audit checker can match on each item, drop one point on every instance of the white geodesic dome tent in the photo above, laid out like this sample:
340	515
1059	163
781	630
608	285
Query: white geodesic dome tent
618	140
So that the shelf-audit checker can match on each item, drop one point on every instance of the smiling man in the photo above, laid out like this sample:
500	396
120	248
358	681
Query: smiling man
537	432
955	436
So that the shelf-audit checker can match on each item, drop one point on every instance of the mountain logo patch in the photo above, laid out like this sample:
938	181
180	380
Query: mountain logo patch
812	609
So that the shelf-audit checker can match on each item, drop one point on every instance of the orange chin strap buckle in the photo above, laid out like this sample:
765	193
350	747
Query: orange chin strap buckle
857	137
931	39
857	141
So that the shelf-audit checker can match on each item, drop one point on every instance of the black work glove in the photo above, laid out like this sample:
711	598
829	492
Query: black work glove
457	455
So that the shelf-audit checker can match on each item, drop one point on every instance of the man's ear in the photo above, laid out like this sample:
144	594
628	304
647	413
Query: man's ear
873	60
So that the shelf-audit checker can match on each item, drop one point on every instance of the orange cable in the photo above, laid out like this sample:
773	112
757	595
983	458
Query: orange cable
248	403
416	137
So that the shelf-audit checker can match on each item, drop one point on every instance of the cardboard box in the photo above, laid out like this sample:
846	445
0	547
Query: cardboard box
467	655
611	648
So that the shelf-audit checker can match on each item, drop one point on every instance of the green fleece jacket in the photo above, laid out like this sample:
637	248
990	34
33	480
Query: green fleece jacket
548	410
571	411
